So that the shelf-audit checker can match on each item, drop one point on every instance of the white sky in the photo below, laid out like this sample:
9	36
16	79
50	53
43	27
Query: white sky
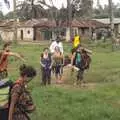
57	3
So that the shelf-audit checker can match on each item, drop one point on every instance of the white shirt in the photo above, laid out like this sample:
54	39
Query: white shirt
55	44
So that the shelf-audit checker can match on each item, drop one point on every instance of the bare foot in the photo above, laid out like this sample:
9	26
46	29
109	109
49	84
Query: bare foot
59	81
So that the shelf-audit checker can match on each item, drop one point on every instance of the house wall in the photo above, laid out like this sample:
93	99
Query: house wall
7	35
43	34
117	29
67	34
39	35
28	34
83	32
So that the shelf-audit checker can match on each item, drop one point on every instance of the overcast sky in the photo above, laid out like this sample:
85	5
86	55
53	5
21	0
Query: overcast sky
57	3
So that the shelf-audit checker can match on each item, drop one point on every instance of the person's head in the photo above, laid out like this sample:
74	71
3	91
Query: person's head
58	39
46	50
6	46
27	73
57	49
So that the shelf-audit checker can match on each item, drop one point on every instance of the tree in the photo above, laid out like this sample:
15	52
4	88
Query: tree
9	15
32	9
82	8
7	3
103	11
1	15
111	16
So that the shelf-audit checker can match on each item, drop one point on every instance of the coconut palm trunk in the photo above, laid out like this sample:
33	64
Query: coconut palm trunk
15	21
111	22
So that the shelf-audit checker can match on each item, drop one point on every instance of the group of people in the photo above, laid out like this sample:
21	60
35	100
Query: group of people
18	102
15	99
52	60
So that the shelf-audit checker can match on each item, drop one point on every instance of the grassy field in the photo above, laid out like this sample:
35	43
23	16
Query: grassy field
99	100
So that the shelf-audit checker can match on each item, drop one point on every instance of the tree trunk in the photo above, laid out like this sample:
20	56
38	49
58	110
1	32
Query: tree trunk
69	34
15	22
111	23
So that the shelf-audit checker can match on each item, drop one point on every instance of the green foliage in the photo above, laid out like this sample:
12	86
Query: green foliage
9	15
103	12
1	15
32	9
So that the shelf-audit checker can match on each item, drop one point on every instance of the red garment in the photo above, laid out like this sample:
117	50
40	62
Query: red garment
3	62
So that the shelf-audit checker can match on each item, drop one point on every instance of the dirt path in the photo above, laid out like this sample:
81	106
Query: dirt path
68	81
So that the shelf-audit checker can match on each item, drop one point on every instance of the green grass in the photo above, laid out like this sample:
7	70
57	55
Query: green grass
99	100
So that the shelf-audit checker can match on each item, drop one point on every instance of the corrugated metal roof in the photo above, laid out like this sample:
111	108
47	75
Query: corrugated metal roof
50	23
107	20
84	24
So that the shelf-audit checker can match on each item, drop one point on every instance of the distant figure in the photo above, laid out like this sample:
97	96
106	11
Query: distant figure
94	36
56	43
76	40
116	42
46	65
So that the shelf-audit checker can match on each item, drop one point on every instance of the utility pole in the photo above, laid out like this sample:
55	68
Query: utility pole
15	21
111	22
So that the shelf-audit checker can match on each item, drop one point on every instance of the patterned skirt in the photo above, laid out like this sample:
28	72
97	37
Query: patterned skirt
20	116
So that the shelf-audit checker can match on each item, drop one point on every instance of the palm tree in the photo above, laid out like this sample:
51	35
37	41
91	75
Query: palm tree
98	3
111	23
33	9
7	3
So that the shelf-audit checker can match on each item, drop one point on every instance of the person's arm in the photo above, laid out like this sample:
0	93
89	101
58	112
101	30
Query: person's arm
52	47
41	61
72	59
63	60
51	61
42	64
15	55
61	48
11	110
14	98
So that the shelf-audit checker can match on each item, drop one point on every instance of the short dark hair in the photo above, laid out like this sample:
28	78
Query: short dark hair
46	49
58	38
6	45
29	71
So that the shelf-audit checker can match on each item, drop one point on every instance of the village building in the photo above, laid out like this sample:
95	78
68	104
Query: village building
116	22
44	29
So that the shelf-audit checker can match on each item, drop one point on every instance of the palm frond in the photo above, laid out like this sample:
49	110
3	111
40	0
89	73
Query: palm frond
7	3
